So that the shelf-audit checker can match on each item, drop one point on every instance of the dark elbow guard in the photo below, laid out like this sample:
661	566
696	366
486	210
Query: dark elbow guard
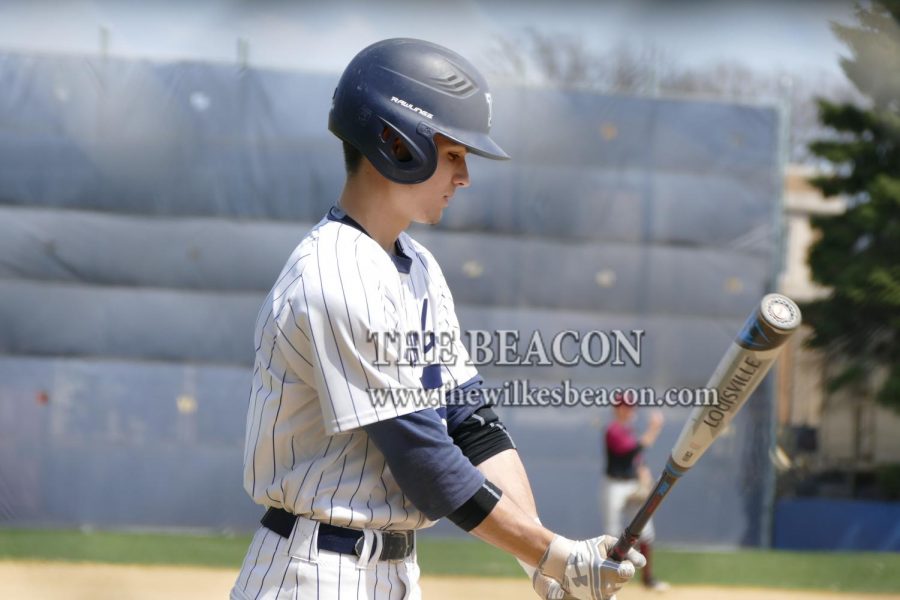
482	436
474	510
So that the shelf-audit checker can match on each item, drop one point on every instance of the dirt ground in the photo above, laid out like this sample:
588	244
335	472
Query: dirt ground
81	581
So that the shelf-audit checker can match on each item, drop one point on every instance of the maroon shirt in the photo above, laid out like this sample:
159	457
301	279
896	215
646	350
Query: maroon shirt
622	451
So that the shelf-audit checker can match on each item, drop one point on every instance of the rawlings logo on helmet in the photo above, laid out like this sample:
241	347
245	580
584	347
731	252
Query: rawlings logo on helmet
412	107
490	101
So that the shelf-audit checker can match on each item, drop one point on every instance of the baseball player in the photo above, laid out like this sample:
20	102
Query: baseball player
365	421
628	480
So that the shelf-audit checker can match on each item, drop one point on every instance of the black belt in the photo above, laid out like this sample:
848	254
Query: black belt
396	545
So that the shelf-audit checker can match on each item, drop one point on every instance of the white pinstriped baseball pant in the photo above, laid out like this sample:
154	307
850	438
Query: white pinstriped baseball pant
276	568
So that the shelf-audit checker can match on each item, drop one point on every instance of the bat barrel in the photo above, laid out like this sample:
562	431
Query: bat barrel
743	366
740	371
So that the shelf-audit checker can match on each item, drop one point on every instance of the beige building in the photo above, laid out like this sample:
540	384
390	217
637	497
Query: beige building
850	433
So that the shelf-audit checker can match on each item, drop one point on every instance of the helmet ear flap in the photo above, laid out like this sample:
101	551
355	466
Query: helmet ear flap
403	159
399	149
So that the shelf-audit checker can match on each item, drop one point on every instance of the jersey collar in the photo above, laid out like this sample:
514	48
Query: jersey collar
401	260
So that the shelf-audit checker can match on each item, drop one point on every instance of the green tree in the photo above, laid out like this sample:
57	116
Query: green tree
858	252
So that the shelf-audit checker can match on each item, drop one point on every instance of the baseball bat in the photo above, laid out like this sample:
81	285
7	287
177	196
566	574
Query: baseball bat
740	371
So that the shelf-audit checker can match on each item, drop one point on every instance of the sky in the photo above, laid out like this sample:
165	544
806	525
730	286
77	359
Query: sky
324	36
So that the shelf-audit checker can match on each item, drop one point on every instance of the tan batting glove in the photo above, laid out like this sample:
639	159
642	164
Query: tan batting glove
583	569
548	589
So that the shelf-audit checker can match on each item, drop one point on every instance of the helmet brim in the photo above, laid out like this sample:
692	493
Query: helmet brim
480	144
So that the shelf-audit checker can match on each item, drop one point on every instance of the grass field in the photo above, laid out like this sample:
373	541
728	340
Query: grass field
876	572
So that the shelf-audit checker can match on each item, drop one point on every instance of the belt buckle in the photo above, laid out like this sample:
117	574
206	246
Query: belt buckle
400	545
395	545
409	537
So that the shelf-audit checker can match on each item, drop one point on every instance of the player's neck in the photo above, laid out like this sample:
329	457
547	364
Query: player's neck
371	207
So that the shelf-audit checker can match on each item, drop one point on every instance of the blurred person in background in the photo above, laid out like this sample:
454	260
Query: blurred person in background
628	480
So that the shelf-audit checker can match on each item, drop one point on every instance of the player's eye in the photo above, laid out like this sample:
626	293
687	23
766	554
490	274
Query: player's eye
453	156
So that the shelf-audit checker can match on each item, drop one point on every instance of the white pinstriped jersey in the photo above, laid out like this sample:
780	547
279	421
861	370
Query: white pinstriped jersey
316	361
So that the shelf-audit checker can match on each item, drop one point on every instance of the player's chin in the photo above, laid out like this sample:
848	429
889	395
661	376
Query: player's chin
431	218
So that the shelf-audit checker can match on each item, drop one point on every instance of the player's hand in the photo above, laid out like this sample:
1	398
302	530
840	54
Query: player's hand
583	570
548	589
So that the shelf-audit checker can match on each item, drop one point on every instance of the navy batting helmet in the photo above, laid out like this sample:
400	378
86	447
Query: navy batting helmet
411	90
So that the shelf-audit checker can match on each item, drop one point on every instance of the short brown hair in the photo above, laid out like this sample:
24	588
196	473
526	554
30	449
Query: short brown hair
352	158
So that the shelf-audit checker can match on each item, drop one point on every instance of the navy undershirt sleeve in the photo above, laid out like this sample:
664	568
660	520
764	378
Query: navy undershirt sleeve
430	469
464	400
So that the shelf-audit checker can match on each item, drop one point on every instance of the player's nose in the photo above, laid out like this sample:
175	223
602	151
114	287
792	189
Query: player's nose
461	175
